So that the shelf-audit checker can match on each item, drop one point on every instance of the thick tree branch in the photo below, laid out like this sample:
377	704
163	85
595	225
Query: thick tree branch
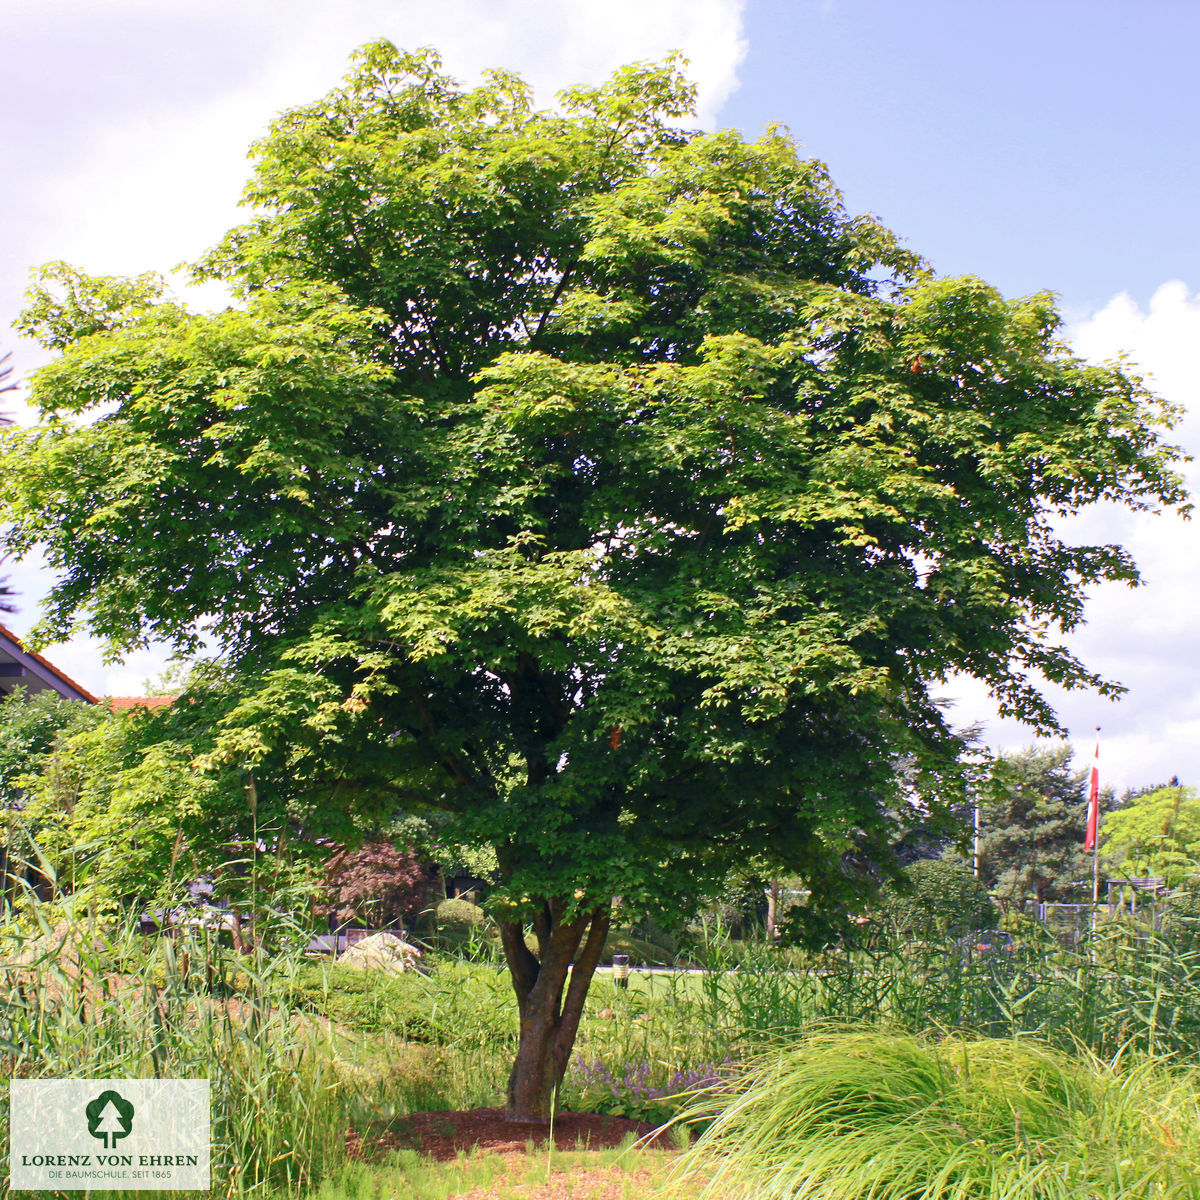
543	926
522	965
554	299
581	979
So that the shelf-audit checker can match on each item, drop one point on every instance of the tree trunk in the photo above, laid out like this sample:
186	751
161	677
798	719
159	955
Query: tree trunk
549	1019
240	943
772	910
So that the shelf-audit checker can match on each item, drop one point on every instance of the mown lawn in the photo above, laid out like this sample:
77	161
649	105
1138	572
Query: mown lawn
621	1174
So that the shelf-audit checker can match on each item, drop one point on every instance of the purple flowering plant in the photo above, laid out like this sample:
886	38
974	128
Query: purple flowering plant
639	1088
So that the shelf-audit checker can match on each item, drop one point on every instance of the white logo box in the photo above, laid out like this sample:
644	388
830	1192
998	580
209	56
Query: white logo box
119	1134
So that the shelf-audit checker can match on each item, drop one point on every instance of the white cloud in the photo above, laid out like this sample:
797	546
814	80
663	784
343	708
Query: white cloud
1148	638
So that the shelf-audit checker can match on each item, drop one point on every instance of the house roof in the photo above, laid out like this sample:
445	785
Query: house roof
126	702
25	668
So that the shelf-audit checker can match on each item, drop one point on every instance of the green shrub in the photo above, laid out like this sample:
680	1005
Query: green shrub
366	1001
462	928
934	897
641	953
459	914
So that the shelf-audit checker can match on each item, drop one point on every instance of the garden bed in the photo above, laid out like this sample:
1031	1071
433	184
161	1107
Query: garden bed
442	1135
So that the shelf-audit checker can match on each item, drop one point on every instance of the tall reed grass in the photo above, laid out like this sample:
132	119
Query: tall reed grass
83	995
1124	987
81	998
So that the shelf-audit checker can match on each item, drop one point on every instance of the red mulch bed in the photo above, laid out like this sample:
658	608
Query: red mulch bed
441	1135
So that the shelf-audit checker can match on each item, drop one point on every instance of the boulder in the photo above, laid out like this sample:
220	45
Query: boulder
382	952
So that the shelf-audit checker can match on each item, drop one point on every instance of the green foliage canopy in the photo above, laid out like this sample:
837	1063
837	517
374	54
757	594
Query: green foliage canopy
1156	835
113	801
601	483
105	805
31	726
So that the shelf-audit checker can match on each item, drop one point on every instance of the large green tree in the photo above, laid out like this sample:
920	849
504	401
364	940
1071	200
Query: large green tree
601	483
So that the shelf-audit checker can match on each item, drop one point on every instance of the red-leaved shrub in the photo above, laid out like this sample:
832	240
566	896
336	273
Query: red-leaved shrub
377	883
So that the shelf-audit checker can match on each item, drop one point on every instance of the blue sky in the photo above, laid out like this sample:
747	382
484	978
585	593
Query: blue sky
1038	145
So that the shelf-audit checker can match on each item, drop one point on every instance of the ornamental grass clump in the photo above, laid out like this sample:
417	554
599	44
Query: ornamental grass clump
870	1115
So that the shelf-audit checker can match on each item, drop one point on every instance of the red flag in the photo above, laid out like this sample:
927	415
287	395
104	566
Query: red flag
1093	820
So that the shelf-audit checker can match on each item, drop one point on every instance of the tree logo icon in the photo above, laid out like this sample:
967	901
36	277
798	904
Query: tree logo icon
109	1117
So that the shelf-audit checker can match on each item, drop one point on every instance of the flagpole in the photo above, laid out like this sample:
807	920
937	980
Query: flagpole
1093	827
975	843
